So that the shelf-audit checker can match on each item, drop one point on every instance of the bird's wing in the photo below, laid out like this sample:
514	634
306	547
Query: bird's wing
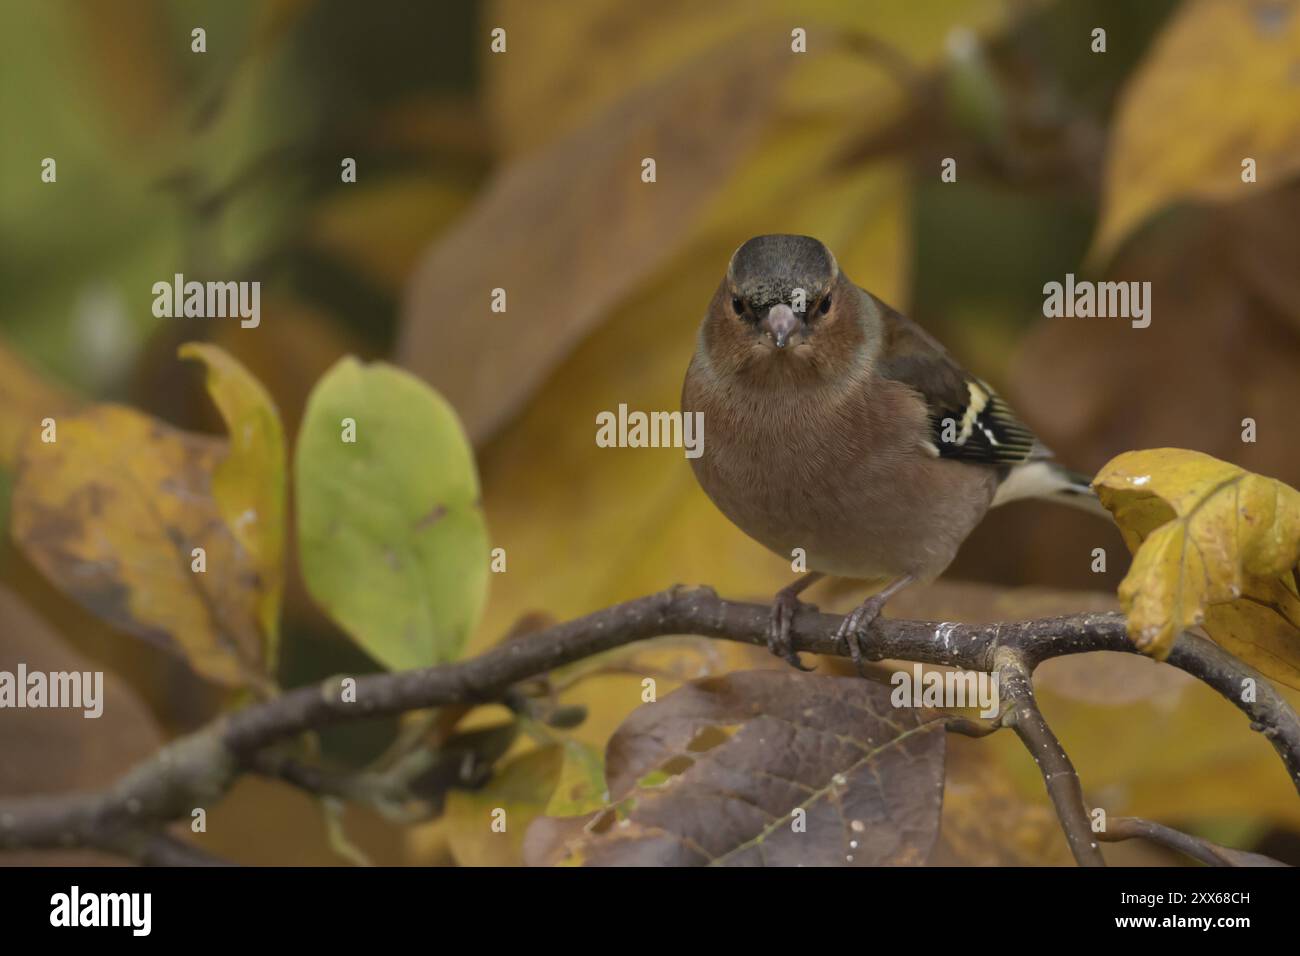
968	420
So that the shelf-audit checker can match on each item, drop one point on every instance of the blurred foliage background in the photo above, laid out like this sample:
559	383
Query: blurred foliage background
521	170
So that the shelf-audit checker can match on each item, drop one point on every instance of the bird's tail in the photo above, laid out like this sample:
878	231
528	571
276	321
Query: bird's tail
1051	481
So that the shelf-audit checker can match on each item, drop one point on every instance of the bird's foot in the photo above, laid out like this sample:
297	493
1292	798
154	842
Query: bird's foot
779	640
853	629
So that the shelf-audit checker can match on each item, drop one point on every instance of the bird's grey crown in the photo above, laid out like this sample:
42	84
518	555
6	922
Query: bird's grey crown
766	270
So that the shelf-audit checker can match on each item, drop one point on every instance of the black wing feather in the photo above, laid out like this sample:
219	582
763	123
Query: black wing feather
983	429
968	420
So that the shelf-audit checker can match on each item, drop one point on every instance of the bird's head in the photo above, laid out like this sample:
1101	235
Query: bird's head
783	312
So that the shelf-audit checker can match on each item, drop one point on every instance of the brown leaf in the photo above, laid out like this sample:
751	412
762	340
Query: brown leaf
48	751
716	771
1223	345
604	230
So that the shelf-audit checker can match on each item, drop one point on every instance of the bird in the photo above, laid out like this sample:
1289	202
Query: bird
842	428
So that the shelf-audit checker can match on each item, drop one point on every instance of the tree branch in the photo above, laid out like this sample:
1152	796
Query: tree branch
1062	780
157	848
197	769
1211	854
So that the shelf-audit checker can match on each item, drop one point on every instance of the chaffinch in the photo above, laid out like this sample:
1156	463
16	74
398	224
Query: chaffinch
838	426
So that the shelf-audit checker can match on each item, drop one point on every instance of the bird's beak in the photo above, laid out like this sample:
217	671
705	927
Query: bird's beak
780	324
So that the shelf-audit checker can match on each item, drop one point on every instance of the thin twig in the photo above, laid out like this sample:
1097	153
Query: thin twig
1211	854
1024	717
156	848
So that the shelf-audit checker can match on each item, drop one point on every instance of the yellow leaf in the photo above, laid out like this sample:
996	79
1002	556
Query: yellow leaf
486	826
1262	628
26	399
1217	87
249	483
570	68
986	821
112	512
1205	534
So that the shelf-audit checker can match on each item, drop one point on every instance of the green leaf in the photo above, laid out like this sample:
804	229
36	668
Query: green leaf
391	534
249	483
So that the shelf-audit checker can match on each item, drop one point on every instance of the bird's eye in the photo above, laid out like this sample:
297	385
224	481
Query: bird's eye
738	305
825	306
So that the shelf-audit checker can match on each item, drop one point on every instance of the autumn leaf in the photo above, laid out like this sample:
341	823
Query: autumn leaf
1163	150
26	399
48	750
1263	627
605	689
249	483
391	535
986	821
1214	545
580	787
1222	340
288	356
486	827
486	362
113	513
768	768
536	95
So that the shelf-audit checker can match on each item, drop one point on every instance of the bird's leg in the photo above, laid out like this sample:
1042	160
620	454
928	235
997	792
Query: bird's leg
784	605
854	628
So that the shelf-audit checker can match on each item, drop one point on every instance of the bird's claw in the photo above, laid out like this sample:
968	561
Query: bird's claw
853	629
779	641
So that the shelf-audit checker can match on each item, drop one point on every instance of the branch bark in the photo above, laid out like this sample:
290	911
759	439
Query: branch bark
1211	854
196	770
1060	777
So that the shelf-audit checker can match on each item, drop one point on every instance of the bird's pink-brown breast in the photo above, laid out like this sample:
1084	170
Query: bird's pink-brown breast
837	471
